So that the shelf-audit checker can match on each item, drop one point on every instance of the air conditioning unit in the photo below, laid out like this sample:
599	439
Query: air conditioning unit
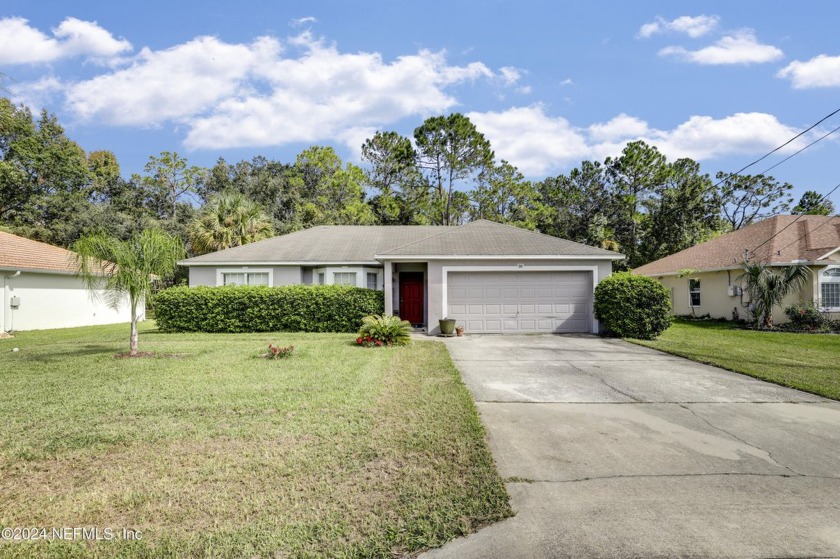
734	290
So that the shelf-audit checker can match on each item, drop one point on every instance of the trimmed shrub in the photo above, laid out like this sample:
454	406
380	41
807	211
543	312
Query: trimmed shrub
291	308
389	330
807	316
632	306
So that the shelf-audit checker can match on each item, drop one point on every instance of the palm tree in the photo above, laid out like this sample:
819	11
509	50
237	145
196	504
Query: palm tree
127	268
768	289
228	220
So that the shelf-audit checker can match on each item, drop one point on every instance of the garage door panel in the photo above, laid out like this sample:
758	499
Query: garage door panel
458	292
497	302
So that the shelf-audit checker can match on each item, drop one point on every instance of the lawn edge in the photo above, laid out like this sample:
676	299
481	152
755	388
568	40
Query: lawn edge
642	343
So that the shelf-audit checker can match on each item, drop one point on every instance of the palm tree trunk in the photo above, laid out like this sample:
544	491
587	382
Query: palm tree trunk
768	319
132	341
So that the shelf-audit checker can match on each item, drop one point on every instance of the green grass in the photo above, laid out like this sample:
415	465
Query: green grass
809	362
337	451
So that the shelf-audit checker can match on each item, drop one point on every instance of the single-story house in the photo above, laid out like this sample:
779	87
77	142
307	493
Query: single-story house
489	277
703	279
40	289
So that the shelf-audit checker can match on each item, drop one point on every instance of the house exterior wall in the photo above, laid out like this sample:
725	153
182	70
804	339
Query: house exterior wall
715	301
436	284
56	301
202	275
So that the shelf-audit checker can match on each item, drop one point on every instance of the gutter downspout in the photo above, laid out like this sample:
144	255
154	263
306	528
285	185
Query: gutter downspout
6	311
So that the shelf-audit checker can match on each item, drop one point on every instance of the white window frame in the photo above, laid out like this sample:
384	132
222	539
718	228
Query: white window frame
360	271
691	292
220	272
830	280
375	280
346	272
320	278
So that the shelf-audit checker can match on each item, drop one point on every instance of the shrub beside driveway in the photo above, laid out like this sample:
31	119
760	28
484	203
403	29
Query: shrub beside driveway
809	362
209	449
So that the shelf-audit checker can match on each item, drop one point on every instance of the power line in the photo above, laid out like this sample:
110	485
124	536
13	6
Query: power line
827	221
768	154
821	138
800	216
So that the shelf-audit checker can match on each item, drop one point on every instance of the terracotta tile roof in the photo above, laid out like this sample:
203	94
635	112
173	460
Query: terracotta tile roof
19	253
796	238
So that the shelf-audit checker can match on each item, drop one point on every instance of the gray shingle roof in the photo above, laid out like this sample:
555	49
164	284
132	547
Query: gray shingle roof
355	243
322	244
487	238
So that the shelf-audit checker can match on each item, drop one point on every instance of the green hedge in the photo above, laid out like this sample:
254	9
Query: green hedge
291	308
633	306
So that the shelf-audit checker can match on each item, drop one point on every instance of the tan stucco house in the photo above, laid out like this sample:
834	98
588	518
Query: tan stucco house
489	277
39	288
703	279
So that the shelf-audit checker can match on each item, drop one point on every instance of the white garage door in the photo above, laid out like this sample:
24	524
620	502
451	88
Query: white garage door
512	302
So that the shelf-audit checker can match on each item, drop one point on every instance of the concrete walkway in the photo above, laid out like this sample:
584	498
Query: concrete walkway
614	450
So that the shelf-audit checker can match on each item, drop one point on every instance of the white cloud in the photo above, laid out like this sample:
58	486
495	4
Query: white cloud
820	71
738	48
704	137
21	43
530	139
237	95
694	27
510	75
538	143
37	94
324	94
621	126
303	21
172	83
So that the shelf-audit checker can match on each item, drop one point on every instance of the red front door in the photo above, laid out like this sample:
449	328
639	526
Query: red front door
411	297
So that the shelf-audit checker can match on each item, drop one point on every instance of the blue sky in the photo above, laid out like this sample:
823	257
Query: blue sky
549	83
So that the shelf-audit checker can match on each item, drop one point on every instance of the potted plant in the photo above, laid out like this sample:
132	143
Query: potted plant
447	326
459	331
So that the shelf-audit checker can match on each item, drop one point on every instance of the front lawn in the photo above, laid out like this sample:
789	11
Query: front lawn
809	362
212	451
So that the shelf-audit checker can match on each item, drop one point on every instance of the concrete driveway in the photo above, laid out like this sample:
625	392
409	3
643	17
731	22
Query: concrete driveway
614	450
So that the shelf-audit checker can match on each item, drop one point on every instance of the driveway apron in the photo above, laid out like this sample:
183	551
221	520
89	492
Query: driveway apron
615	450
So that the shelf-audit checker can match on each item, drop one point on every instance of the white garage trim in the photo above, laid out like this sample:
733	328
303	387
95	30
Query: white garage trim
515	268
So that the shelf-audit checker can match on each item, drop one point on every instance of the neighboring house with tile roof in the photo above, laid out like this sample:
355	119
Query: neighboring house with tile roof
704	278
39	289
489	277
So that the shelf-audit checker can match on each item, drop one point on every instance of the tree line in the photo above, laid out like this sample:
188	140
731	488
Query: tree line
638	203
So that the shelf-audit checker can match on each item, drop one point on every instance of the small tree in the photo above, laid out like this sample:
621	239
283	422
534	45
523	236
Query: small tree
127	268
767	289
633	306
